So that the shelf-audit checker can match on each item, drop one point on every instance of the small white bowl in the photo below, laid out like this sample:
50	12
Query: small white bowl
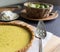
8	16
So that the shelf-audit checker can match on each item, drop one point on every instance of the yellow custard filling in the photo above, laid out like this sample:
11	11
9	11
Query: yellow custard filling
13	38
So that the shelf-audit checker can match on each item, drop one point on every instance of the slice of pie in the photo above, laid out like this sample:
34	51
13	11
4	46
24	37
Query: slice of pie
15	37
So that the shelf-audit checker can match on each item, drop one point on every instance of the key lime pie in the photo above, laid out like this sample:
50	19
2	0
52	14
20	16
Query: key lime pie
15	37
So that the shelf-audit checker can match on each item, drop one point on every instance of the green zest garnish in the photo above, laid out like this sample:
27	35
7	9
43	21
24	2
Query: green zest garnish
38	5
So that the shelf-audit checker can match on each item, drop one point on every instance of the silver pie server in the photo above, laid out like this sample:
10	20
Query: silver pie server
40	33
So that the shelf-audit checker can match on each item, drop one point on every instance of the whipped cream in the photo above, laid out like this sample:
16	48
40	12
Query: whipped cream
9	15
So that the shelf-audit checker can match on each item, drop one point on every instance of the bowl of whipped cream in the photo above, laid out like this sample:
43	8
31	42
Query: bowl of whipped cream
8	16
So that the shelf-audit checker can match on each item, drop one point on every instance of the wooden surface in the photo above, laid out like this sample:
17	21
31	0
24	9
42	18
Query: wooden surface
7	8
53	45
57	49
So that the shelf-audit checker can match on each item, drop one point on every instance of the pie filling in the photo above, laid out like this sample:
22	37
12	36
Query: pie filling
13	38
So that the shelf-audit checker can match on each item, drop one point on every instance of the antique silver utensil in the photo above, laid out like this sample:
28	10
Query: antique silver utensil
40	33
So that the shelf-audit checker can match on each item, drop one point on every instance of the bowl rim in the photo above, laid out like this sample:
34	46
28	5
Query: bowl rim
51	5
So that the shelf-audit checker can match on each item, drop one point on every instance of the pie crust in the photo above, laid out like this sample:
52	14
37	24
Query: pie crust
25	27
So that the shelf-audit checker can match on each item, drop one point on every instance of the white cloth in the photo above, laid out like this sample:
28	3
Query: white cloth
35	44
